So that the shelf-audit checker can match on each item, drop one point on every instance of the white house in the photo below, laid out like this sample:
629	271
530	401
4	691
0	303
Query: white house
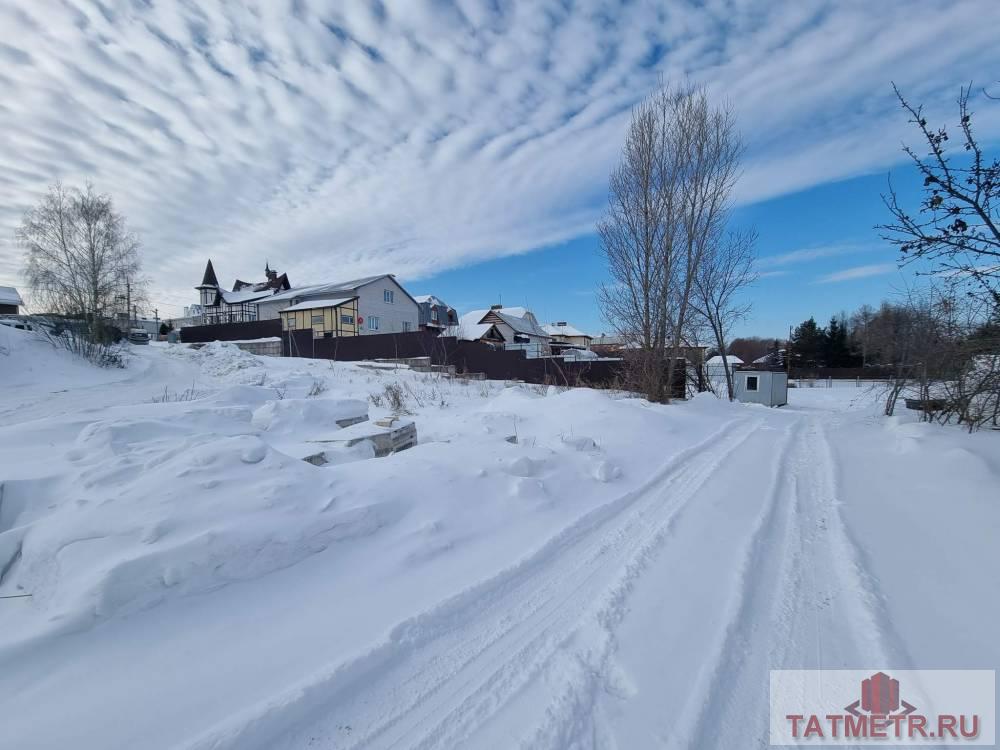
714	367
383	305
238	305
10	300
514	327
563	333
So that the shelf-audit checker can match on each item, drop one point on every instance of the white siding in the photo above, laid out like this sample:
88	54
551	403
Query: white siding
371	302
391	315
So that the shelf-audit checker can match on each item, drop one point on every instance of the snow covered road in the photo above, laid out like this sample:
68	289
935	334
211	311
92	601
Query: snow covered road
621	576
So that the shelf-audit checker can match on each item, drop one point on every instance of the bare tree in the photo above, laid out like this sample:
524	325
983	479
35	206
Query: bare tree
860	324
726	270
632	237
957	226
668	204
81	260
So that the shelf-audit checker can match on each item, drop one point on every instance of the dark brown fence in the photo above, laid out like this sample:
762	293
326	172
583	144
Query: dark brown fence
466	356
258	329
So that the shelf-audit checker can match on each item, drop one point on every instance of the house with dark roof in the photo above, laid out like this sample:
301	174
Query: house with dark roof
434	313
238	305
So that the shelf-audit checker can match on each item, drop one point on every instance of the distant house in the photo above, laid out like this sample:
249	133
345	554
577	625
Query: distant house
513	327
238	305
607	346
380	305
434	313
10	301
564	333
465	330
715	368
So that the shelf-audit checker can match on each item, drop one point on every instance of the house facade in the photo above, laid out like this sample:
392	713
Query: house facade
563	333
10	301
238	305
435	314
382	304
331	317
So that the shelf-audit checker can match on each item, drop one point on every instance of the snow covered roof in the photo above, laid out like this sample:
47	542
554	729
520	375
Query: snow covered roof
247	295
731	358
430	299
564	329
519	318
314	304
468	331
331	288
9	296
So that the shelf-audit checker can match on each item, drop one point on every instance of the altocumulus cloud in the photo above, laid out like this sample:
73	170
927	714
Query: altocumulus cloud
341	138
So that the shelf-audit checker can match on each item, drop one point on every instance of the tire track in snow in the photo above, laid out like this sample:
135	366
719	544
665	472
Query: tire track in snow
870	621
735	672
443	673
804	596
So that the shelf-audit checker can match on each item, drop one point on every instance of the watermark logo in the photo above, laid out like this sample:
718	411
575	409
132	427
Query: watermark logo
952	708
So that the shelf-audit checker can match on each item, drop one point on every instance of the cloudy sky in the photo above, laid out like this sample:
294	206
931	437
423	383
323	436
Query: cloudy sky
423	137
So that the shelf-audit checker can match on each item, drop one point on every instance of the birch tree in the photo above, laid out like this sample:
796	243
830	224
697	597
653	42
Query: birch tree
81	259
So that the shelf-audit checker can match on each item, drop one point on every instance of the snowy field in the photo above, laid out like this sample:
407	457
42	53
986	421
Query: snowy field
546	569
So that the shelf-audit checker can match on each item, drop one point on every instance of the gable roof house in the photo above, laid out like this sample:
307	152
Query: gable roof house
563	333
380	304
240	304
10	300
434	313
516	327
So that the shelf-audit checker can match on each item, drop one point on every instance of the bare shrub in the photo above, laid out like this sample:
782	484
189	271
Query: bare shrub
79	340
317	388
168	396
391	396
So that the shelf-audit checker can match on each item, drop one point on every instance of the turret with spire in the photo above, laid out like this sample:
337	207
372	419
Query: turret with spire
209	286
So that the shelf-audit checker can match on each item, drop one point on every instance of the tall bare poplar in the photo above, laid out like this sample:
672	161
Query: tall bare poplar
668	204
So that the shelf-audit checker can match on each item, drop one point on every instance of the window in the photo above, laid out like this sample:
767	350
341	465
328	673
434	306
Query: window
751	382
387	295
317	319
434	314
406	326
373	322
291	321
347	319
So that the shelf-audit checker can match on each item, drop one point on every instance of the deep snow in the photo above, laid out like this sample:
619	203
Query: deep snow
548	568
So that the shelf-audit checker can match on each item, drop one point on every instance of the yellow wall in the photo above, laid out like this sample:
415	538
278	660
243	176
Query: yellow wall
327	320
